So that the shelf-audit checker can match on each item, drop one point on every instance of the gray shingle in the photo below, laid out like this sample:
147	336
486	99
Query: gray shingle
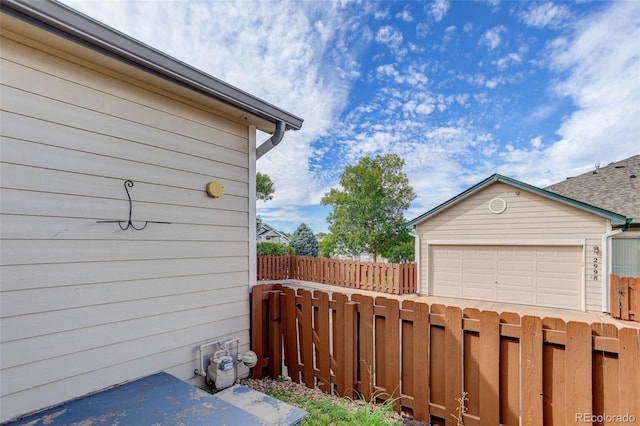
614	187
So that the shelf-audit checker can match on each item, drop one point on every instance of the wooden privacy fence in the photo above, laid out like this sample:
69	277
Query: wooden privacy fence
512	368
625	297
393	278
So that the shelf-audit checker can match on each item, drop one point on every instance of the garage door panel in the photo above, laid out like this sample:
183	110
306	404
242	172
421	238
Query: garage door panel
523	282
516	265
477	279
533	275
479	264
479	293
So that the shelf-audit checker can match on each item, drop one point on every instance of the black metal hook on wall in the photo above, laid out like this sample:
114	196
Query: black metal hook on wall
126	224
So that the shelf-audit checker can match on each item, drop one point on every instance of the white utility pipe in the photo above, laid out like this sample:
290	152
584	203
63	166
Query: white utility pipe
606	268
202	372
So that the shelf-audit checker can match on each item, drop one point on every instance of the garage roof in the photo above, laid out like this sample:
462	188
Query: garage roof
615	187
616	219
62	20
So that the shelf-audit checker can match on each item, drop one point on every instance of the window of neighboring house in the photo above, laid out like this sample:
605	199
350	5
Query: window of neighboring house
626	257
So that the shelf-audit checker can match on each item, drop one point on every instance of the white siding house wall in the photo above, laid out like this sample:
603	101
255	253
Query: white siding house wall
529	219
85	305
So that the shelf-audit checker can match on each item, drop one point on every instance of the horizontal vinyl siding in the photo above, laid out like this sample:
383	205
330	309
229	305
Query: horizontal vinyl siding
528	217
85	305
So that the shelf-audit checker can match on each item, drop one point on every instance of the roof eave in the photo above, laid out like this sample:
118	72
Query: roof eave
62	20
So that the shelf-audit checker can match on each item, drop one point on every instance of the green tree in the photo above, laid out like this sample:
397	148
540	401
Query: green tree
368	209
264	187
268	247
304	242
402	251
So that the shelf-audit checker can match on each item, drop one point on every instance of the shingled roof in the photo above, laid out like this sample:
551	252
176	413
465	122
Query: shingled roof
614	187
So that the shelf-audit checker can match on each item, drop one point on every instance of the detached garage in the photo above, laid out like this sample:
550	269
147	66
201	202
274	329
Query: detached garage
506	241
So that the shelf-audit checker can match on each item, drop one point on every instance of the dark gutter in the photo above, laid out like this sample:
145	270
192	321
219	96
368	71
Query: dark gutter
60	19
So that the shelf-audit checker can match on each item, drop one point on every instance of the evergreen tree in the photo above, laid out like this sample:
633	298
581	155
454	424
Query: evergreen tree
304	242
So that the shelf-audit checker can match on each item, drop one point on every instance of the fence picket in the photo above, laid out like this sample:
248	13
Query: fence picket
290	329
531	349
578	370
489	394
365	344
629	368
340	301
420	351
408	339
323	353
392	346
275	335
452	360
306	344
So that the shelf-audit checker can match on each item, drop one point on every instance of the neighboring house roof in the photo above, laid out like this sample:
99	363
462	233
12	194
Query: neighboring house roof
268	230
616	219
63	20
614	187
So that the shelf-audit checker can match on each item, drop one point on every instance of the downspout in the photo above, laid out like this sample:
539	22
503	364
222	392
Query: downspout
417	248
606	267
274	140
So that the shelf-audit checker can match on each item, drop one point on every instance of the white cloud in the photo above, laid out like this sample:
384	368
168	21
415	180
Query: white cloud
438	9
389	36
405	15
511	59
546	14
602	59
492	37
536	142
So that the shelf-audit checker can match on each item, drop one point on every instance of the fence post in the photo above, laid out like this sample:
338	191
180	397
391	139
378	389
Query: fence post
257	330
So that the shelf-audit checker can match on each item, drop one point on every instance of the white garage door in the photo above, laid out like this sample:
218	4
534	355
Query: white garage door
532	275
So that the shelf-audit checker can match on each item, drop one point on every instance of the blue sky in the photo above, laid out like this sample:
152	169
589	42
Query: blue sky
537	91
